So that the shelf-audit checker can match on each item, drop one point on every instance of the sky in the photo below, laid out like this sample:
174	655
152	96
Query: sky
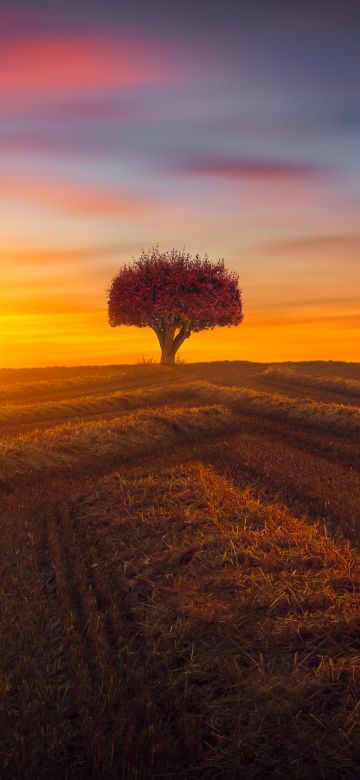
230	128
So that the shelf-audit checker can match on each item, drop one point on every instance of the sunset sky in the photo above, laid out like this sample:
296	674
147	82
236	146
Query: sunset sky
231	128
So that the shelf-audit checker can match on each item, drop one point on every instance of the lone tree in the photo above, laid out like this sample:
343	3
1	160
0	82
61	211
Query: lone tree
175	294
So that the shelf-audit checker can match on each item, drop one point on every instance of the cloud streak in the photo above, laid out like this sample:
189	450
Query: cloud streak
255	169
51	256
72	197
67	140
310	244
80	109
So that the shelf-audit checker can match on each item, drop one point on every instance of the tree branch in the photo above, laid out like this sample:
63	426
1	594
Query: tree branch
183	334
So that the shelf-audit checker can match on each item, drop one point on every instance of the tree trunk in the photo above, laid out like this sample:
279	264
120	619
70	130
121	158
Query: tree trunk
169	343
168	352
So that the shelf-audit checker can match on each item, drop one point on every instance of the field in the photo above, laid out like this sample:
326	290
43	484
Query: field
180	572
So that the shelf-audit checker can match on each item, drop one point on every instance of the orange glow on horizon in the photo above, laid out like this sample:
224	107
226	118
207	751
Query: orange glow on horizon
85	338
52	308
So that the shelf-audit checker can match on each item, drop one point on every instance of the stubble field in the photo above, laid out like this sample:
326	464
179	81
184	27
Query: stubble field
180	572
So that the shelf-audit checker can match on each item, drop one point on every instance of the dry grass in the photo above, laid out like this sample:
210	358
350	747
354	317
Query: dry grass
180	598
238	602
37	388
67	446
199	633
98	404
67	383
294	467
340	385
337	417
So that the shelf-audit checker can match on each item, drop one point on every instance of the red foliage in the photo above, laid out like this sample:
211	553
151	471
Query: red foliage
174	287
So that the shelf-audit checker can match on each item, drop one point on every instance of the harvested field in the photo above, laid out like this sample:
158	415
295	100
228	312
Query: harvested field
180	574
67	446
339	385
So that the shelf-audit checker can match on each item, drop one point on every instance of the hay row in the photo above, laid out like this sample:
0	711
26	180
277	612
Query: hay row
333	417
315	414
139	433
95	378
350	387
119	401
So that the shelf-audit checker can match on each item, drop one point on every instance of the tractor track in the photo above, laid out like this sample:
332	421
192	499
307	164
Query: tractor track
113	669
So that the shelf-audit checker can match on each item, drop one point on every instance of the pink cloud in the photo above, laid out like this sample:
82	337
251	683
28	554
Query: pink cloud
69	63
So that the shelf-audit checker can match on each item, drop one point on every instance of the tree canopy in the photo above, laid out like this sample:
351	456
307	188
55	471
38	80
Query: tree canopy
175	294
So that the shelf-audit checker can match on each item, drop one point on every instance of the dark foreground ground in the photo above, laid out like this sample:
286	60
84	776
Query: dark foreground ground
180	572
